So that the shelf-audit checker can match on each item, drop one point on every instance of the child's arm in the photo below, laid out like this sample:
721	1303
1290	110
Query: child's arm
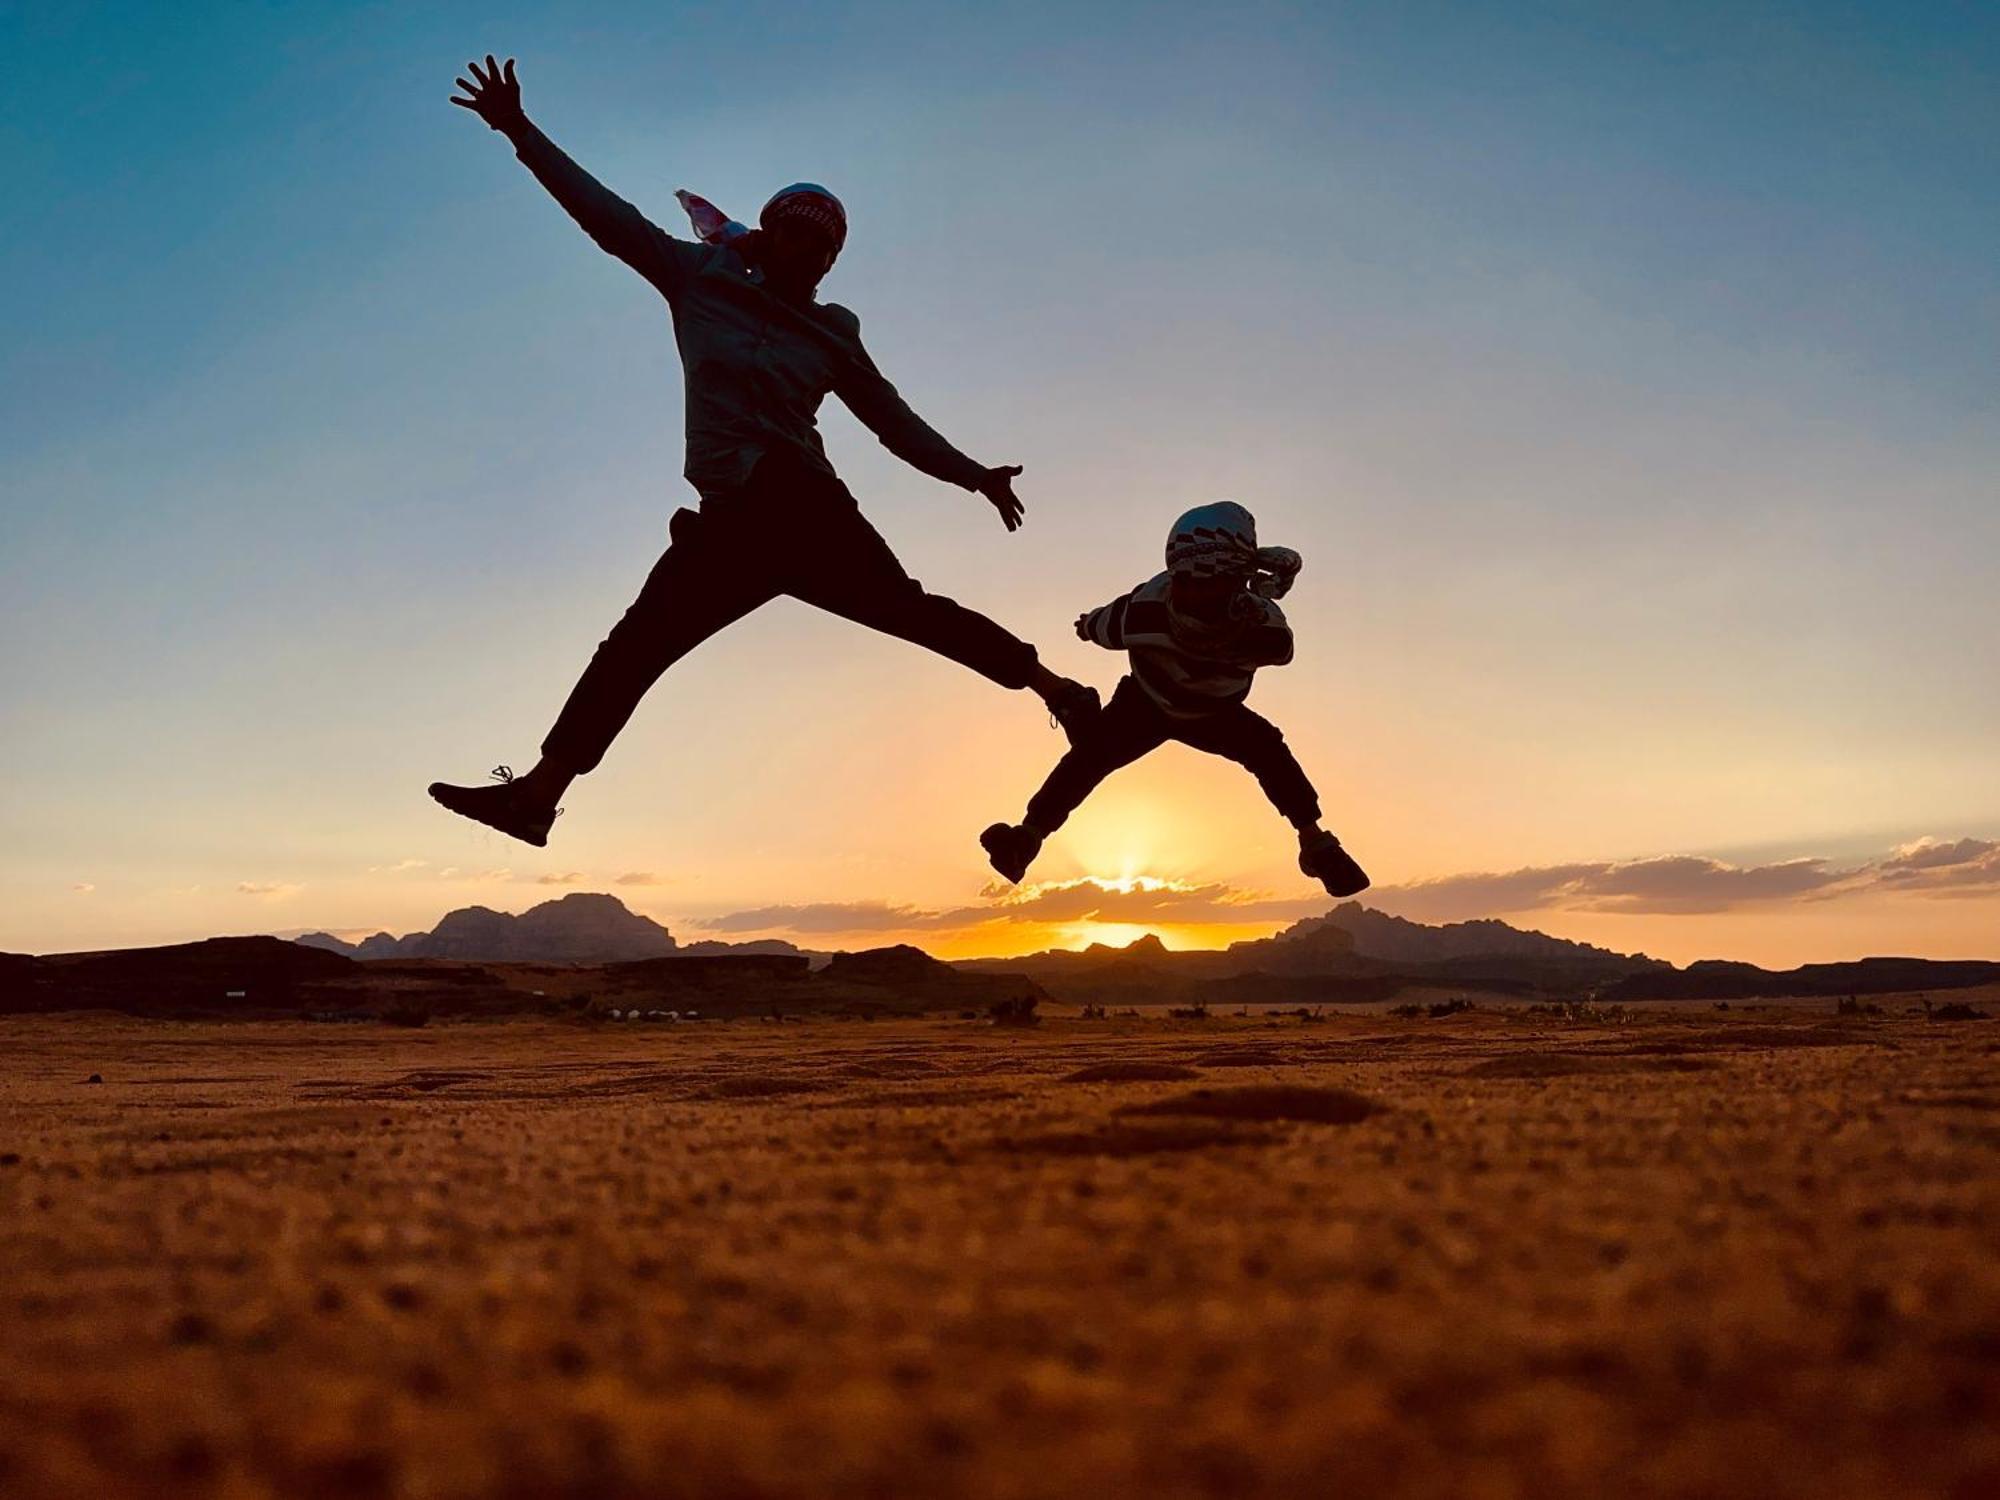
1266	638
1105	625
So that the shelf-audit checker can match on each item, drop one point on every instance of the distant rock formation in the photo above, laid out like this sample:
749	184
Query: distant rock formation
231	975
267	976
580	928
1720	979
1376	934
1351	954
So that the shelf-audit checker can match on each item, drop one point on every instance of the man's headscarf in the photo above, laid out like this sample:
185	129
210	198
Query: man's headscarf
806	201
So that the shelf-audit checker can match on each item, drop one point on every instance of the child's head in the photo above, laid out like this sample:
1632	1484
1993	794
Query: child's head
1211	557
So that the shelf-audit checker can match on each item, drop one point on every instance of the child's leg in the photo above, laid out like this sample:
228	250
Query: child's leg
1255	743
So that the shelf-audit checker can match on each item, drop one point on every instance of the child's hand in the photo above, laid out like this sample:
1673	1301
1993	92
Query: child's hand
1083	626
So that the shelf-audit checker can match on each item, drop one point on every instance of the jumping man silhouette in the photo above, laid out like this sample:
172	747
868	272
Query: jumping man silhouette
760	353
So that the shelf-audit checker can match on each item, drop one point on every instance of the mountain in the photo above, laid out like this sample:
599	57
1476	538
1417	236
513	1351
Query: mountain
216	975
269	977
580	928
1376	934
1720	979
1349	955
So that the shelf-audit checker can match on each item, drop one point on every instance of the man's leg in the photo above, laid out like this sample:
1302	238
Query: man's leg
1238	733
845	567
700	585
696	588
1130	726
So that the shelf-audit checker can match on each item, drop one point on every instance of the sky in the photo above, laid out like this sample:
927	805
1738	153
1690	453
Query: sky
1627	375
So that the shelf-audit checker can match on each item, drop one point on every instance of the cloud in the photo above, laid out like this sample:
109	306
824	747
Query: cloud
1686	884
640	877
83	887
823	916
275	890
399	865
498	872
1142	901
1965	867
563	877
1675	884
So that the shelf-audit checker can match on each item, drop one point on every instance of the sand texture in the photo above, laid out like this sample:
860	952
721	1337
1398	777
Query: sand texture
1695	1253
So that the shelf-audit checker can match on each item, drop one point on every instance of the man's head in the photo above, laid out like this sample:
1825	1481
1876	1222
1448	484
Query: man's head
804	228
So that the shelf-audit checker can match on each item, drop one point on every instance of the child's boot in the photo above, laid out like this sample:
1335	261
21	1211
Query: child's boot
1321	857
1011	848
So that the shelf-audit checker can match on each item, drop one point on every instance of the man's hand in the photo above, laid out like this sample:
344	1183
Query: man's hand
496	96
1083	626
998	488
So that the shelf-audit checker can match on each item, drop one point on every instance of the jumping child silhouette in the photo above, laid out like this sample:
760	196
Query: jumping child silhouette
1197	634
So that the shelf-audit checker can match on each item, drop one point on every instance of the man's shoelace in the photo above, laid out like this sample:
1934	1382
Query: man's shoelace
505	776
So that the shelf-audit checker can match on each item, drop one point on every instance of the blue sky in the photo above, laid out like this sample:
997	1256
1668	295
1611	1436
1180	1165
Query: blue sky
1627	375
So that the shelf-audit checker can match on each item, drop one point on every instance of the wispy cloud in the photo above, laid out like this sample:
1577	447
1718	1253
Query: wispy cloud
497	872
1142	901
83	887
641	877
1964	867
274	890
563	877
1680	884
399	866
823	916
1691	885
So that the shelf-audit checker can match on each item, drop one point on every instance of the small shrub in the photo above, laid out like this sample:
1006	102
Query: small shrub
1956	1012
1586	1012
1195	1012
1093	1013
1016	1012
407	1013
1853	1007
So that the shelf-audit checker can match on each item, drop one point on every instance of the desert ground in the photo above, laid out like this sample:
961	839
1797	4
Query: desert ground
1678	1252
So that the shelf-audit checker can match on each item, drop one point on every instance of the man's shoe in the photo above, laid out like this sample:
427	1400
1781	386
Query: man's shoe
1010	849
1075	708
1321	857
502	807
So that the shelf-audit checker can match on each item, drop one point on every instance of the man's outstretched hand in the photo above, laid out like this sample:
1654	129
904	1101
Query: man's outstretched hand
496	95
998	488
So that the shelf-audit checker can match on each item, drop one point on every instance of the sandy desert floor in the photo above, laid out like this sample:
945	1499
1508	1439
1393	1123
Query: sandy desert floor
1480	1256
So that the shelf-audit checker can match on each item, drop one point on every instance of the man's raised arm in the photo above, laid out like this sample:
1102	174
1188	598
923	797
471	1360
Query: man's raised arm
618	227
869	395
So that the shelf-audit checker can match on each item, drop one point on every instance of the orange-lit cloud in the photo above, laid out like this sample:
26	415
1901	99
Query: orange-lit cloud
1188	914
560	877
640	877
274	890
1141	902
